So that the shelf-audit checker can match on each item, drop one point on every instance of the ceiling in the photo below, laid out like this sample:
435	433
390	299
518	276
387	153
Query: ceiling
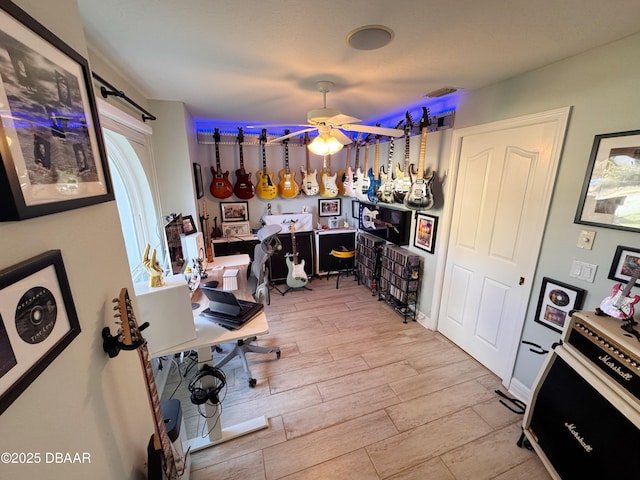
258	61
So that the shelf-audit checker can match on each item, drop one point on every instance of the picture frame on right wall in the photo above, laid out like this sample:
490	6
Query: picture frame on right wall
425	232
556	302
625	262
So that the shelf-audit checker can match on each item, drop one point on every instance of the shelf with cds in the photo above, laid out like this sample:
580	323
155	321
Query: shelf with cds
400	280
368	255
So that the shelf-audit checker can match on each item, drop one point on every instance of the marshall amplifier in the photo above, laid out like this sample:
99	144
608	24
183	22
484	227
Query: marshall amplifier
584	418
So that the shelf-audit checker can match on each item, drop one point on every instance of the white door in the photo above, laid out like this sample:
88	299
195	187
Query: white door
504	181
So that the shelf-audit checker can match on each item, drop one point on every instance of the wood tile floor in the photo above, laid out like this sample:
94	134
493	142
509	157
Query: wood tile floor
357	394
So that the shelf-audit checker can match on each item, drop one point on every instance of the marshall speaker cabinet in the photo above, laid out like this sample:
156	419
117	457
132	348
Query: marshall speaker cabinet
584	416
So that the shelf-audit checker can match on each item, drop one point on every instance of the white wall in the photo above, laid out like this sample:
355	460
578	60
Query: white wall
83	401
602	88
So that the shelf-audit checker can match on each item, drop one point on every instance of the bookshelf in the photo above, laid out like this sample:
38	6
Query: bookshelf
400	280
368	253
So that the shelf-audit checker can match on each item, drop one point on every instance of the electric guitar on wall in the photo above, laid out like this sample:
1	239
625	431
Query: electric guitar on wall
266	188
163	461
310	185
403	177
243	188
220	185
352	175
287	188
362	185
296	277
343	175
420	195
374	175
620	304
385	192
328	187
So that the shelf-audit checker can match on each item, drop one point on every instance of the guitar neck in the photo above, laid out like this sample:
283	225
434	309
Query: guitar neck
218	167
286	158
423	151
407	146
631	283
294	251
376	162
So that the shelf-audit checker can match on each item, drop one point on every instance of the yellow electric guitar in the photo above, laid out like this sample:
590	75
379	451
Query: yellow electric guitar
266	188
328	187
287	188
310	185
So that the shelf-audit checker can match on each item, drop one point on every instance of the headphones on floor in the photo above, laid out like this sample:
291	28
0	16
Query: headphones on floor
201	395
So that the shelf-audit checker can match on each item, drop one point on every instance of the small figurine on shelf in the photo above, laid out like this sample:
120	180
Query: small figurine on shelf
156	275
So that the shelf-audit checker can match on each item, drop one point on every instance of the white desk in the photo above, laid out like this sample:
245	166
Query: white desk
209	334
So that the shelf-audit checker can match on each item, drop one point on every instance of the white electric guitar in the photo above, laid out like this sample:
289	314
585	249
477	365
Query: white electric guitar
620	304
297	277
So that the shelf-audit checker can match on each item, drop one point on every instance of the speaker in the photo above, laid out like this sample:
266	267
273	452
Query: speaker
580	427
304	245
200	395
332	240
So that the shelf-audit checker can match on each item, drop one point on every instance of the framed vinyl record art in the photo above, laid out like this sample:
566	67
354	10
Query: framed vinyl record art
38	320
51	148
557	301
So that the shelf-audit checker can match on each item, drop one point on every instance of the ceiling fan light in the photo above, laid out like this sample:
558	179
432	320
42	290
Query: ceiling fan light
324	144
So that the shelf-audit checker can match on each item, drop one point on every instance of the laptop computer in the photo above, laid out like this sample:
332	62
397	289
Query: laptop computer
227	310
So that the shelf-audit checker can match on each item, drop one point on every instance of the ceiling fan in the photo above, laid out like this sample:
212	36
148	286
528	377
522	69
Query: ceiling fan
330	122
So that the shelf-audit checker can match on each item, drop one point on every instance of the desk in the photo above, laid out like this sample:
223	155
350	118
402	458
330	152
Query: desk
209	334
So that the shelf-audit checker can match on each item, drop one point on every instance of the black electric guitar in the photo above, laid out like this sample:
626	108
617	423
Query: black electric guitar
420	196
297	277
163	461
620	304
243	188
220	185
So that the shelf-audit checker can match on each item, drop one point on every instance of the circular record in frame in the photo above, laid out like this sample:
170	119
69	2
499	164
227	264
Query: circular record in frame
36	315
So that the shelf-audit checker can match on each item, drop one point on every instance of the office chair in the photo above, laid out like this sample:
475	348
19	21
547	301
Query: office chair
258	283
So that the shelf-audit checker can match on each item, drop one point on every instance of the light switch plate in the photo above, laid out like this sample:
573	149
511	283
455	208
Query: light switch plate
586	238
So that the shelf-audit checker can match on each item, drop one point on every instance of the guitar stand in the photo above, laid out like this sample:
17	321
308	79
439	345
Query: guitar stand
288	289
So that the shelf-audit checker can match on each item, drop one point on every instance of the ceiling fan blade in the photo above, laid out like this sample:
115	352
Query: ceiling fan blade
341	118
275	125
340	136
299	132
389	132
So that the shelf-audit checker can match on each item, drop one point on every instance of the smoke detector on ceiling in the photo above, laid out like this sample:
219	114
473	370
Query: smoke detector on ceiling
370	37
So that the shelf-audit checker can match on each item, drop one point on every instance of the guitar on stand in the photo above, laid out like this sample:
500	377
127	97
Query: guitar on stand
620	304
420	195
266	189
362	184
328	187
243	188
164	461
287	188
296	276
206	232
403	177
220	185
310	185
374	176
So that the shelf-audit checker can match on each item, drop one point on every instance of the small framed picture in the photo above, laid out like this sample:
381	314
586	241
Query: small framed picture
625	263
197	179
188	225
329	207
355	209
425	233
234	211
557	301
38	320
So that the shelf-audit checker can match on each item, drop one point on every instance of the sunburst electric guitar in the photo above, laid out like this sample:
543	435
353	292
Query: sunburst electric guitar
420	196
220	185
620	304
287	188
362	185
243	188
164	462
296	277
374	175
403	177
266	188
309	183
328	187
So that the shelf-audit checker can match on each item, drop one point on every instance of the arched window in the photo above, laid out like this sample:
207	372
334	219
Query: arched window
128	146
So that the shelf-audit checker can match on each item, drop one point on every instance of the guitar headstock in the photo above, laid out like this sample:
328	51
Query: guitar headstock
408	124
366	139
378	136
240	135
425	121
263	136
286	140
129	336
216	135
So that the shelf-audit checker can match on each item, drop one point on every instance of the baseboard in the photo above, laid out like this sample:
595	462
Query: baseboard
519	390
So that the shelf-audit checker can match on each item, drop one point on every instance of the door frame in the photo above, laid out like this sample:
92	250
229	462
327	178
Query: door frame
561	117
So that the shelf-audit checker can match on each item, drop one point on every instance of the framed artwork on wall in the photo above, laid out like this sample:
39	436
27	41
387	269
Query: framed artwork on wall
52	151
611	190
234	211
329	207
197	179
355	209
38	320
425	233
188	225
626	262
557	301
